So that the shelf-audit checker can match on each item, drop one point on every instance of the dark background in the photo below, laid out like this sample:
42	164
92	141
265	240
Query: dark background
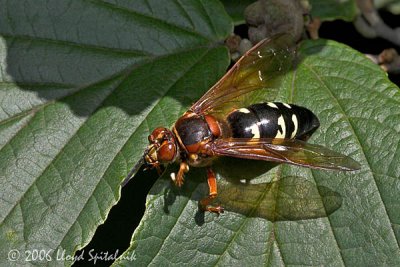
116	233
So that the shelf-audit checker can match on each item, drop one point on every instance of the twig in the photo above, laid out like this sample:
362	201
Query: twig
389	60
370	24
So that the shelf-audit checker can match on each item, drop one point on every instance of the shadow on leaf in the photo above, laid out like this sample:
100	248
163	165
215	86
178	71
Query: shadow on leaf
288	199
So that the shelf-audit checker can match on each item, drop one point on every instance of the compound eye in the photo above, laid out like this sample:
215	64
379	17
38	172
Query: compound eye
166	153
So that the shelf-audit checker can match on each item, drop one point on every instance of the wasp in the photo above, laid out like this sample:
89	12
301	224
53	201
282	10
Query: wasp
223	123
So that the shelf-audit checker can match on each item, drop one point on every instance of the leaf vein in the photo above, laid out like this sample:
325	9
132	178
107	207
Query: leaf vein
328	89
149	17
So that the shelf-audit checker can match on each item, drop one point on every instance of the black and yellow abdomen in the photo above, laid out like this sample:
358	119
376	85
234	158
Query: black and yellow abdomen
272	120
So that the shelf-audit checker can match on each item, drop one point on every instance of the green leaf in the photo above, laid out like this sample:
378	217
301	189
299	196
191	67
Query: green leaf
359	110
82	83
332	9
236	9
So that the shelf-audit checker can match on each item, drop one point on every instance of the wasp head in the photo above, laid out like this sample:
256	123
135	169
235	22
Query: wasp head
162	148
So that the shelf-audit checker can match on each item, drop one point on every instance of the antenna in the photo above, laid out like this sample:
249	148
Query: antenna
133	171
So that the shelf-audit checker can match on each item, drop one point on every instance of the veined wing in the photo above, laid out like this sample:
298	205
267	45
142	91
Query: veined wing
290	151
259	68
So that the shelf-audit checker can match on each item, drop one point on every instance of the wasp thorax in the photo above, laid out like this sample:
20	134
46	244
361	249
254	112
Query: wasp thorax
162	147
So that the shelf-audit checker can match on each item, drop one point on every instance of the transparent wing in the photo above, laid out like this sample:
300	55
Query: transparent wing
290	151
259	68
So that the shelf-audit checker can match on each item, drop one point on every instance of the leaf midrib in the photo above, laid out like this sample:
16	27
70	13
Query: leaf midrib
163	23
124	72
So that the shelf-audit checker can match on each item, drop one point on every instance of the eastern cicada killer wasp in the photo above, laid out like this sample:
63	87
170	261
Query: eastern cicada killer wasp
224	122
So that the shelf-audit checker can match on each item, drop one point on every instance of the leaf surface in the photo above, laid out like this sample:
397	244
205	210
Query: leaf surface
331	9
236	9
359	111
82	83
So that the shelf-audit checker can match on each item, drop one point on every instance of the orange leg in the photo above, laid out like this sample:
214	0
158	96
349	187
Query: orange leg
183	168
212	185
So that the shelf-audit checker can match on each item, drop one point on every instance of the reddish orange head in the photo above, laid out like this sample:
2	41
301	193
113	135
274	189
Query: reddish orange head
162	148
